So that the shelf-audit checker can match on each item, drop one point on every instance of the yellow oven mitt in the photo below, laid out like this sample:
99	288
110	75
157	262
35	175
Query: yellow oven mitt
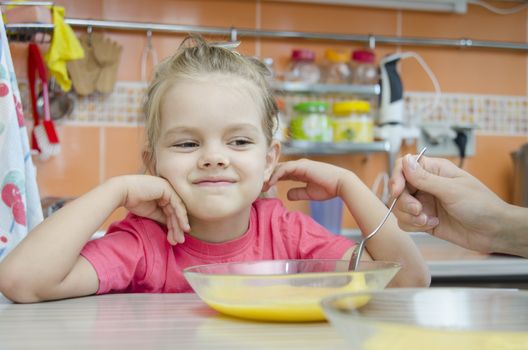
64	47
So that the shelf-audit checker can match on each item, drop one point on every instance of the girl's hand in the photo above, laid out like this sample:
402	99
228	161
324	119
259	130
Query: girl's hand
153	197
323	181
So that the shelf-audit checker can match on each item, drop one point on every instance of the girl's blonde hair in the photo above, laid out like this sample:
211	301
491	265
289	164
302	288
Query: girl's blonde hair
196	58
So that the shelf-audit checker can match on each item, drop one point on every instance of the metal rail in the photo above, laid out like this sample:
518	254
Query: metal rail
232	33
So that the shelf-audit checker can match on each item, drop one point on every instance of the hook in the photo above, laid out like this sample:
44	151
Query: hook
233	34
89	31
42	37
149	39
372	42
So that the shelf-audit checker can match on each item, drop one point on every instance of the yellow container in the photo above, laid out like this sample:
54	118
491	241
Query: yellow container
352	121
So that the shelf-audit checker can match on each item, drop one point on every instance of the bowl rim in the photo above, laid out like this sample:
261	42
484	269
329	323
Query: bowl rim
387	265
326	306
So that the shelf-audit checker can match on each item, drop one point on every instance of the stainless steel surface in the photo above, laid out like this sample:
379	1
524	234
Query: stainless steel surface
321	148
61	103
366	90
520	176
26	3
355	260
447	260
367	39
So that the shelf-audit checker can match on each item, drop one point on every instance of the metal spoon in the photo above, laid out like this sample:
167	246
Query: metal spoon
354	262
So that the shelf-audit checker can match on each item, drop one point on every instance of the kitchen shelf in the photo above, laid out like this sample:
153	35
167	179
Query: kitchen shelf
330	148
350	89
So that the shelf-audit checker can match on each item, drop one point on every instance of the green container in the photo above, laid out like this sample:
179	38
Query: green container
311	122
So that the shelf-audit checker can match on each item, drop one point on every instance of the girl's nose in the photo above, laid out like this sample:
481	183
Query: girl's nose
212	160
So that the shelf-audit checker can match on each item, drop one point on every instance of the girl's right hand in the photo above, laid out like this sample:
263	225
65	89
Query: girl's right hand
153	197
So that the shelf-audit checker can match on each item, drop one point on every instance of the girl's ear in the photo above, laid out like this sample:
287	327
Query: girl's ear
272	158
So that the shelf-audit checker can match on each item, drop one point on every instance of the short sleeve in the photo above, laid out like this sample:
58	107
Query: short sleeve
118	258
307	238
317	242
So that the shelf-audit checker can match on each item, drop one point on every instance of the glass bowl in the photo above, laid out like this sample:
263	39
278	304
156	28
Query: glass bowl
435	318
283	290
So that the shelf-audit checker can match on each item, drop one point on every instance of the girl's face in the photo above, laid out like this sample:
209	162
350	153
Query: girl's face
212	147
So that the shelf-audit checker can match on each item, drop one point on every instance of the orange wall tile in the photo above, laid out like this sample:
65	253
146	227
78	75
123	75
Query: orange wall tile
493	164
123	150
76	170
458	70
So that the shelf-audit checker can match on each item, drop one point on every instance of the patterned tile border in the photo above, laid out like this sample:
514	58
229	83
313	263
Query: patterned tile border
492	114
123	107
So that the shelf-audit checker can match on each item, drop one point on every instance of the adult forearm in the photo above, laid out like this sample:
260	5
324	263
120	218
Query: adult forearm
46	256
513	236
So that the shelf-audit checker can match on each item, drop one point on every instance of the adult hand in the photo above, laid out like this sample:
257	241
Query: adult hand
439	198
153	197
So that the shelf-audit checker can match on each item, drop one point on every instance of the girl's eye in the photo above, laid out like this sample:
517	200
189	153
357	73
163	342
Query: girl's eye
241	142
186	144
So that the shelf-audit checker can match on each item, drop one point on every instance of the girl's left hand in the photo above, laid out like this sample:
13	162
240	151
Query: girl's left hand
323	181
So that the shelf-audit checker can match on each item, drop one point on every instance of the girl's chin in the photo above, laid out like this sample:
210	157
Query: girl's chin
215	213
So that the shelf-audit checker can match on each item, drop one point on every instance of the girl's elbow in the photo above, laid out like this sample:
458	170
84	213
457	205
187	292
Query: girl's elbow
423	279
420	279
16	290
414	279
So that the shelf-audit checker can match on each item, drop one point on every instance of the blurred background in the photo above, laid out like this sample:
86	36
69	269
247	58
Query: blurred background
455	97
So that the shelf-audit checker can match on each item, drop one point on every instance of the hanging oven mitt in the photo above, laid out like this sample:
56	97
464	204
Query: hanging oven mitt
107	53
64	47
84	72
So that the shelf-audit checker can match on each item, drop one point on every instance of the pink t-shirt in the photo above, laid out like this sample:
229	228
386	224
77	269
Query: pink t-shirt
135	256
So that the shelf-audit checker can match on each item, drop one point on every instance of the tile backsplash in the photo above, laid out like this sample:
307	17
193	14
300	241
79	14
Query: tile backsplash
491	114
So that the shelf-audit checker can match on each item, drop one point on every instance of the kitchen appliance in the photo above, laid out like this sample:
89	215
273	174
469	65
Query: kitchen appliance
391	120
520	176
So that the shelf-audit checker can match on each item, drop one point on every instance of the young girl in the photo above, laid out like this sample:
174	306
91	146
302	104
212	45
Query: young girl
210	116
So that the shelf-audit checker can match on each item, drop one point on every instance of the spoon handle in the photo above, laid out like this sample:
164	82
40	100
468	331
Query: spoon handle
354	261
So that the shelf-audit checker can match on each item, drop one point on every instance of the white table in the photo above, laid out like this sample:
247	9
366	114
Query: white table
148	321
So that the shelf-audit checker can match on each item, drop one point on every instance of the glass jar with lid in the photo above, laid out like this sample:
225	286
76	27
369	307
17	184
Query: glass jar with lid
311	122
336	69
302	67
352	121
364	67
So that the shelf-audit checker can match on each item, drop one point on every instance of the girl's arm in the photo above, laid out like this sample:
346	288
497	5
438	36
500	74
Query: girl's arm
47	264
390	243
324	181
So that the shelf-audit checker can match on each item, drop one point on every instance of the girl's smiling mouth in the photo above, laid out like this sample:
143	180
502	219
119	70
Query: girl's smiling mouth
214	181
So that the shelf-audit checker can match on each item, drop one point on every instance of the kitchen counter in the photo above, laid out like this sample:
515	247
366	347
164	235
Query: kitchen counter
452	265
148	321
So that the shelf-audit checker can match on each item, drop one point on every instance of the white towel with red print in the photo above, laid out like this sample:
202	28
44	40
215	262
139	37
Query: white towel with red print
20	208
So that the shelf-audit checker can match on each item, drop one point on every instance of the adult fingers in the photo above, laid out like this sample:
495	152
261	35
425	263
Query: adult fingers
397	180
414	223
408	204
422	178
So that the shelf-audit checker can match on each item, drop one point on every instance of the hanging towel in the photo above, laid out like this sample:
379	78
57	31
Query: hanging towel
64	47
20	208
